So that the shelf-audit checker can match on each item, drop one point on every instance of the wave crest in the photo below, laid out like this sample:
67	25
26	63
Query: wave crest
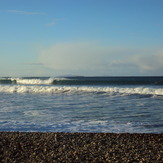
68	89
84	81
32	81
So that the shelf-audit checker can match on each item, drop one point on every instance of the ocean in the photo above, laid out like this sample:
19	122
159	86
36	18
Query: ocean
82	104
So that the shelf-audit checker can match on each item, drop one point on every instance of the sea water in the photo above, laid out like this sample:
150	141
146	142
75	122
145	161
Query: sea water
82	104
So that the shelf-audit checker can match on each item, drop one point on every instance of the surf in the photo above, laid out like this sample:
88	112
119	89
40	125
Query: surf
77	89
84	81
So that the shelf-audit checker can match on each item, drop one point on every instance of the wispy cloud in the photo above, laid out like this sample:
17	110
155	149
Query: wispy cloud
53	22
25	12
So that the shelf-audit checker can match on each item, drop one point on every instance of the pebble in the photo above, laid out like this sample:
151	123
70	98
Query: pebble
80	147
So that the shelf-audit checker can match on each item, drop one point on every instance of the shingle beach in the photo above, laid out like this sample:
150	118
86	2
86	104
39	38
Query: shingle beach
80	147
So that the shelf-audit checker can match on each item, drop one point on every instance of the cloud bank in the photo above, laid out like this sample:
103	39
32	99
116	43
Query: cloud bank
90	58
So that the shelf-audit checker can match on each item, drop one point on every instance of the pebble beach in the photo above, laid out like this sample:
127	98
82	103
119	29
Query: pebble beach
80	147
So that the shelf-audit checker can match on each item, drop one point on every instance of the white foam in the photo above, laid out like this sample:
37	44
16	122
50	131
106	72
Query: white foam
36	81
68	89
33	113
32	81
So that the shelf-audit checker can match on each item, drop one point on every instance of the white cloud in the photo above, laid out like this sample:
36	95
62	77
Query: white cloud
74	56
149	62
90	58
25	12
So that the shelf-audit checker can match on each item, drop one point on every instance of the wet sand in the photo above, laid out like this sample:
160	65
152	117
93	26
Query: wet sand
80	147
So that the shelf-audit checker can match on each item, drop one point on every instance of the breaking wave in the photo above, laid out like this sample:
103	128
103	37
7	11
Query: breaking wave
78	89
84	81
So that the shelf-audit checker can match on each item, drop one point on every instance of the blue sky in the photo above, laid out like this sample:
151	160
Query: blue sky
81	37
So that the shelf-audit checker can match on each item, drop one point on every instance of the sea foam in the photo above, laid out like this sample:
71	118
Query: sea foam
32	81
76	89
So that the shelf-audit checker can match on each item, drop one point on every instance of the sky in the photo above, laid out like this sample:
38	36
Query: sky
81	37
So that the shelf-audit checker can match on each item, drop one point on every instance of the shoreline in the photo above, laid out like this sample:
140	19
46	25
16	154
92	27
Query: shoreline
80	147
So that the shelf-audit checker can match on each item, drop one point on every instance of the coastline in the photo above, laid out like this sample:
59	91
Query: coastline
80	147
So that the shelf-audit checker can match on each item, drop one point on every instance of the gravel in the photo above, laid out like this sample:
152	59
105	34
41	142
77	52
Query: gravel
80	147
